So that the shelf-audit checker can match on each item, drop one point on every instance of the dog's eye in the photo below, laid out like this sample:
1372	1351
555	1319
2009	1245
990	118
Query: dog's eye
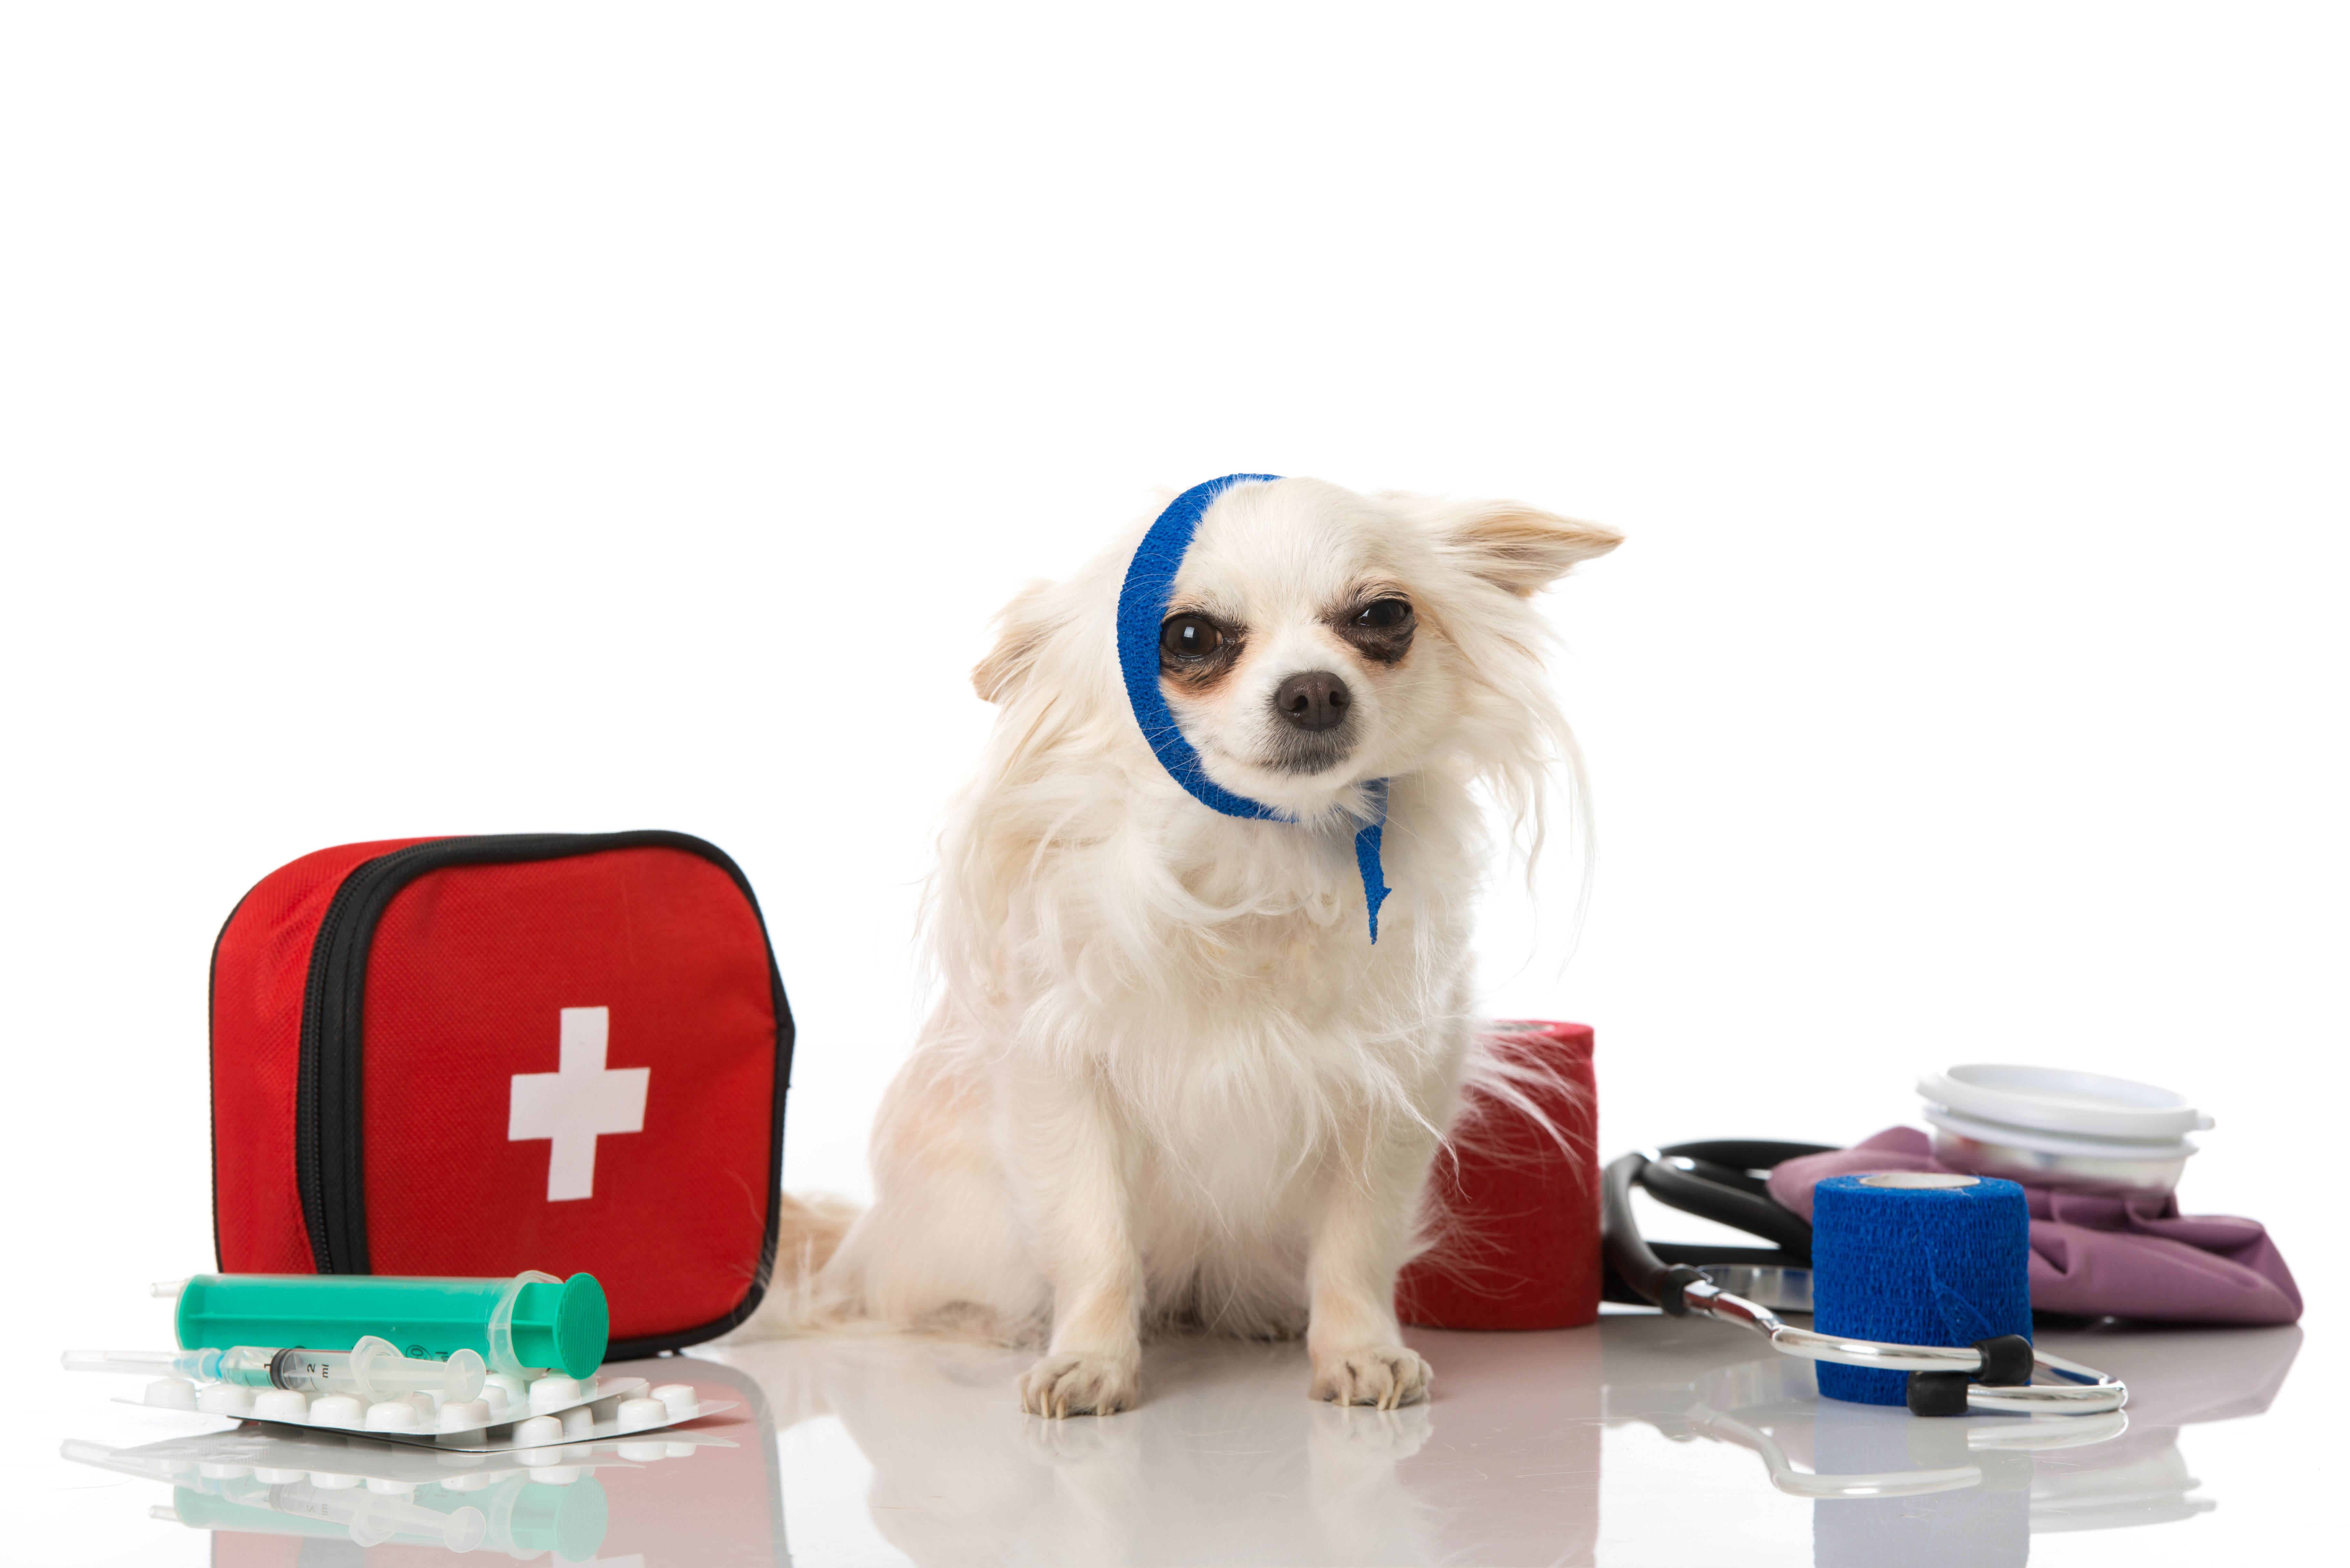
1385	614
1189	636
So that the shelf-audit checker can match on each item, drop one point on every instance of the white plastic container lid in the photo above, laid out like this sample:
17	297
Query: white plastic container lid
2055	1100
1994	1133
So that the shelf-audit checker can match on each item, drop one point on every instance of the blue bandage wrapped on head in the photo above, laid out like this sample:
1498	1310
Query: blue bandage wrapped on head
1142	608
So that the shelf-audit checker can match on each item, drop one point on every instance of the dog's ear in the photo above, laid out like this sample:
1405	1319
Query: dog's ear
1517	549
1020	629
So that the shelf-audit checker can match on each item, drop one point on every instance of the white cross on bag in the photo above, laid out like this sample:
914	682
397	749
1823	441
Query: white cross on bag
575	1105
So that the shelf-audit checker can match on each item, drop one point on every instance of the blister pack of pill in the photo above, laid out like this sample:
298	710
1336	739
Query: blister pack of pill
510	1412
626	1412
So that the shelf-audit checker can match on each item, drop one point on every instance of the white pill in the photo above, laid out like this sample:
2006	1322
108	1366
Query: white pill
464	1415
225	1399
427	1404
333	1480
270	1475
497	1399
514	1387
392	1415
553	1390
171	1394
557	1475
281	1405
684	1403
636	1413
383	1487
536	1431
337	1410
220	1469
470	1483
540	1456
681	1451
579	1423
643	1453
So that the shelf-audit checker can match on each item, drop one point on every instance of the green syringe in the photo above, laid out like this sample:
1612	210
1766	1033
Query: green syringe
516	1325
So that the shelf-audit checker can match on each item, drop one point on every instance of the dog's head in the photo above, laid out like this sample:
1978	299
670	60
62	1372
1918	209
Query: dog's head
1316	639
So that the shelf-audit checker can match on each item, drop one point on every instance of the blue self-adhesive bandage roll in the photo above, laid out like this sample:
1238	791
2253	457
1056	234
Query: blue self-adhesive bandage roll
1906	1264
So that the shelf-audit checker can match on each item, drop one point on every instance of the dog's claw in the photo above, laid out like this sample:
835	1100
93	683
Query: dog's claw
1387	1376
1059	1387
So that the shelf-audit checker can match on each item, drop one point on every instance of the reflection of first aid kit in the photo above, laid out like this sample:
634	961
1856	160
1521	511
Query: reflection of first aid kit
466	1056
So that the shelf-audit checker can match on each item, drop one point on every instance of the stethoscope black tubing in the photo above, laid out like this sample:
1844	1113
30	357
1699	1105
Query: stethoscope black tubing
1719	1189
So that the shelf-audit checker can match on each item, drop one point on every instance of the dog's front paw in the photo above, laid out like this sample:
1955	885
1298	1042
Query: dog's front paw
1386	1376
1080	1385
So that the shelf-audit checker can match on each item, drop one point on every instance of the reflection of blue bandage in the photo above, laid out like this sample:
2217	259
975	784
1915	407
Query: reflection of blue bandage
1141	606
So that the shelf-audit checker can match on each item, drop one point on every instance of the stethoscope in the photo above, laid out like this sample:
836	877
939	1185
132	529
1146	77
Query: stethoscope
1722	1180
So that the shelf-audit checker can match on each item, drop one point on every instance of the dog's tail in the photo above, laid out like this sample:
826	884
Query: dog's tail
808	1231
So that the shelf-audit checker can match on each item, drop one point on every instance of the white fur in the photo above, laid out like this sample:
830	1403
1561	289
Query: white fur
1171	1079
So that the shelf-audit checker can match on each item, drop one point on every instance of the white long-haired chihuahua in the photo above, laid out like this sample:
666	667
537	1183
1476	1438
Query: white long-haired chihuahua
1172	1079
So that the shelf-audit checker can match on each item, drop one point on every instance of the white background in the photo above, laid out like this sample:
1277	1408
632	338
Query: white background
470	418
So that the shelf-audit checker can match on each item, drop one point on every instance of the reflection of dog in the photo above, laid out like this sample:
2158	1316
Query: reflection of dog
957	1478
1171	1079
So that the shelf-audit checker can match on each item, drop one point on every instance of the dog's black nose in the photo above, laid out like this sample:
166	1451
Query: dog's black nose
1314	701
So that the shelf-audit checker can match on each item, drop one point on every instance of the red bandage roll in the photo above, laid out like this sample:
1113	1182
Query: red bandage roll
1514	1204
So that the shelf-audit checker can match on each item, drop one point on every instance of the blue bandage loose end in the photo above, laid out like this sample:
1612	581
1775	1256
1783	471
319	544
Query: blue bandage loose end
1142	608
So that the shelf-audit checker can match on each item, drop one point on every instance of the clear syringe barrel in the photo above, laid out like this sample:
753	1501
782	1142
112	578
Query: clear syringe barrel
373	1369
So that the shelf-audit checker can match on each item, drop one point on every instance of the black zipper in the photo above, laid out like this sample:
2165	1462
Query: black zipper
328	1140
329	1166
212	1067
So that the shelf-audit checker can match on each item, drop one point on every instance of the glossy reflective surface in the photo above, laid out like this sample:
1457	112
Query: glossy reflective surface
1639	1441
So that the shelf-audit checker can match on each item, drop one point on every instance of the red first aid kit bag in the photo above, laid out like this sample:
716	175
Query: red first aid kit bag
1515	1203
474	1056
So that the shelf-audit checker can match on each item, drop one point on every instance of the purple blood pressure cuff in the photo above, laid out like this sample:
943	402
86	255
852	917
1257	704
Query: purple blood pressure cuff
2096	1254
